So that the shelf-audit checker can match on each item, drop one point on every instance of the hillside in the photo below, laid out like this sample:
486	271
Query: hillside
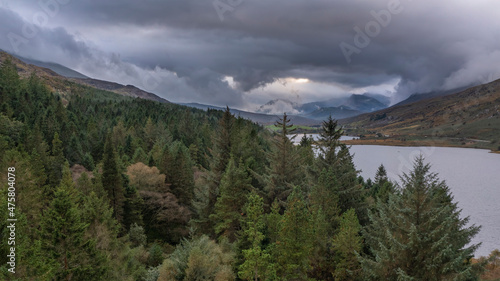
260	118
57	68
336	112
470	118
60	83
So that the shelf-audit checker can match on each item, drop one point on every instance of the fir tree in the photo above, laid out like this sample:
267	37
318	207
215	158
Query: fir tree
56	162
381	175
347	243
329	140
178	169
285	167
419	234
73	255
295	239
132	209
256	260
112	180
234	187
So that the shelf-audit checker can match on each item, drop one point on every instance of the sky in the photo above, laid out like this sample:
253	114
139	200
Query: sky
243	53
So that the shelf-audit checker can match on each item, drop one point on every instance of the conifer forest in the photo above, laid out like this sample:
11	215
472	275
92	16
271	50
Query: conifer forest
109	187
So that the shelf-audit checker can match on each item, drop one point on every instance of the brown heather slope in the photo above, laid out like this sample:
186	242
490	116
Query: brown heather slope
472	115
58	83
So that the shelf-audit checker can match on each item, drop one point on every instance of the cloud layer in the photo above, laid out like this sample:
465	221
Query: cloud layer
183	51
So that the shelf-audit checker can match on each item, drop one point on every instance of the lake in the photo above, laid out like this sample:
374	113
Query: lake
473	176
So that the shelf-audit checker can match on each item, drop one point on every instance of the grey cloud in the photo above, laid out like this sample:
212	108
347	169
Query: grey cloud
429	45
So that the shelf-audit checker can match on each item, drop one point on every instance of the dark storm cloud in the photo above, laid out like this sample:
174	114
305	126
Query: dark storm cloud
428	45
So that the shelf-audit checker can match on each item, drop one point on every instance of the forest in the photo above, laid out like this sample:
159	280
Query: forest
109	187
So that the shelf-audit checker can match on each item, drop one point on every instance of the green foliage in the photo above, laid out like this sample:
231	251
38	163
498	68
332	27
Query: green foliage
70	254
329	140
208	162
347	243
295	239
198	259
256	265
234	187
155	257
139	156
178	169
112	180
285	165
88	162
419	234
382	187
152	274
137	235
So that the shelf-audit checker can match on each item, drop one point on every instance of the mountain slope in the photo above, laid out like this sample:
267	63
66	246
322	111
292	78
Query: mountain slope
57	68
59	83
364	103
473	113
126	90
430	95
336	112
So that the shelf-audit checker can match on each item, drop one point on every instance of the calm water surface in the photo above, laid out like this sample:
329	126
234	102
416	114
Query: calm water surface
473	176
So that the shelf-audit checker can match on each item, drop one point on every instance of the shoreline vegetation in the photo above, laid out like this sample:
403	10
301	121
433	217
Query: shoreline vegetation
438	142
401	140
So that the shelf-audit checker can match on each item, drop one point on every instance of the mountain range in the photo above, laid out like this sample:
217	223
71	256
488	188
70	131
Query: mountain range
461	113
338	107
473	114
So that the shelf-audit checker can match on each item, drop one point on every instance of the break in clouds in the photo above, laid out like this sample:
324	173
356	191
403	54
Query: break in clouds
244	53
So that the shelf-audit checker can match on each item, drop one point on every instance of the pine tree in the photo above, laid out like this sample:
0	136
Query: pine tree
178	169
330	140
419	235
285	167
347	243
223	144
382	187
234	187
10	84
324	196
64	242
132	208
112	180
295	239
256	260
381	175
221	156
74	151
351	192
56	162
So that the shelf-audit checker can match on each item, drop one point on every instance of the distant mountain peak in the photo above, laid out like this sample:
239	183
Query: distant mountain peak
279	106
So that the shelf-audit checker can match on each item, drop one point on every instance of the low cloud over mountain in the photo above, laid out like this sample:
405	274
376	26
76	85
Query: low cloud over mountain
186	51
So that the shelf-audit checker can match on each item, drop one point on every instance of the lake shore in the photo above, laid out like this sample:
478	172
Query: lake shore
422	142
